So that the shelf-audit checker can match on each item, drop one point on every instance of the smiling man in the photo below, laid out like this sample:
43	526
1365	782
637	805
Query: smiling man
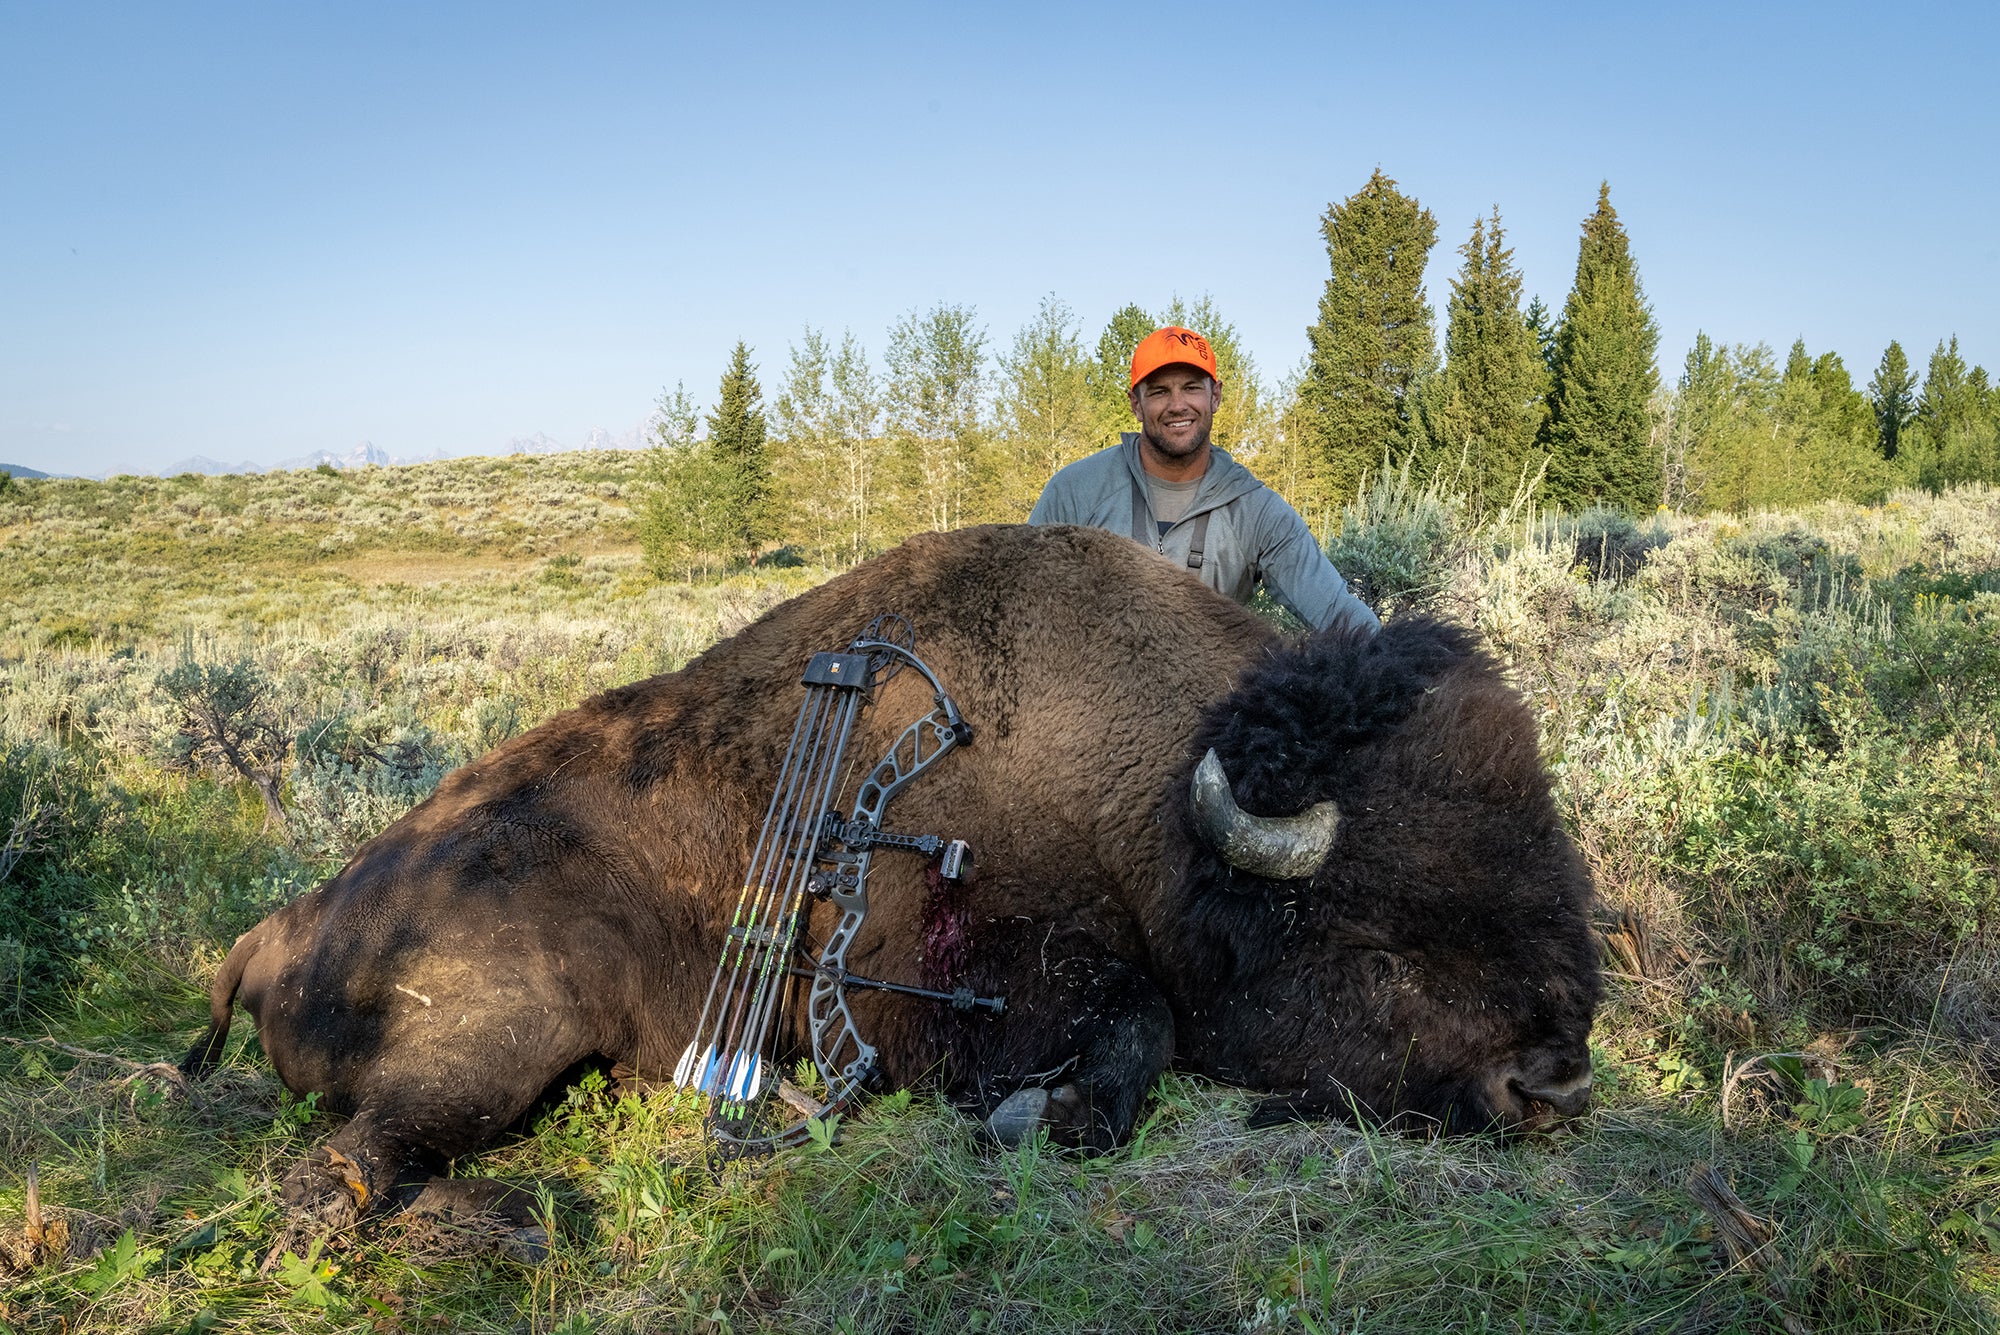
1165	485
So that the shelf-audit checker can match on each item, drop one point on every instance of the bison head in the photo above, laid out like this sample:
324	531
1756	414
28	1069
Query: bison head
1381	894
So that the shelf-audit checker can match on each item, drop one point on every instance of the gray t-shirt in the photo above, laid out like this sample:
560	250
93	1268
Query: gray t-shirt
1171	499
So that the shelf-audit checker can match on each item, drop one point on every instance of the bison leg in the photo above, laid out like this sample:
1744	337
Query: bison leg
1084	1037
417	1114
358	1169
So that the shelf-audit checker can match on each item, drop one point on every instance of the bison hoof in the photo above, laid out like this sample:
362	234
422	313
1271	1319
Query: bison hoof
1017	1116
529	1246
326	1189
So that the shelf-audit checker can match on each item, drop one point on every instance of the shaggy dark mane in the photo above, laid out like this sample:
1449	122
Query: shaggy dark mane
1290	730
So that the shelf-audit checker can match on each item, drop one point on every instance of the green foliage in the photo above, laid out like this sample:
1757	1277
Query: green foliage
1047	417
358	771
1893	398
118	1263
831	476
1373	339
935	399
1542	327
688	517
1851	835
1954	435
1110	375
1608	543
1742	435
736	439
1494	389
1395	543
107	874
1599	433
228	716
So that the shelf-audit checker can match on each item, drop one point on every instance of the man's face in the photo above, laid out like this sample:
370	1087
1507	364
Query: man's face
1175	406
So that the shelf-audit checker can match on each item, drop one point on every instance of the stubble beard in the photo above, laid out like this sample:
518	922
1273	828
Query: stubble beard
1177	454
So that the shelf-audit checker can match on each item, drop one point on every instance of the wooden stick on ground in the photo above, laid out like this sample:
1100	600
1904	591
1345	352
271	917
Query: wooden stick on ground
165	1072
1744	1236
34	1210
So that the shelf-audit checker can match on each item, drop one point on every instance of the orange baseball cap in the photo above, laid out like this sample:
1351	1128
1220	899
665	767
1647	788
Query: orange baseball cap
1172	346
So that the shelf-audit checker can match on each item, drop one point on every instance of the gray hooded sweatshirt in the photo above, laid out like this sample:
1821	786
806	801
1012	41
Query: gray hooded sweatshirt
1251	534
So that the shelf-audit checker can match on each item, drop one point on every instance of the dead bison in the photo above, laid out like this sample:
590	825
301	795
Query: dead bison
562	898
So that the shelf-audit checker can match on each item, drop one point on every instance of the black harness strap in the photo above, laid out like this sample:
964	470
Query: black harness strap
1200	539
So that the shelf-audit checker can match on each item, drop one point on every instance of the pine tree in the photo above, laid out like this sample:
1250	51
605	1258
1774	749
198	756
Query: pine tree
1824	433
1893	396
1373	338
736	434
1110	375
1954	436
687	509
1947	400
1600	428
1494	381
1047	417
1542	326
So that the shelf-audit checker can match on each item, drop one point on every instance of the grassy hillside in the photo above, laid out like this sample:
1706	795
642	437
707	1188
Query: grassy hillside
1775	738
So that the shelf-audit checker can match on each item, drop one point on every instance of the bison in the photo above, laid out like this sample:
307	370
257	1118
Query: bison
1399	931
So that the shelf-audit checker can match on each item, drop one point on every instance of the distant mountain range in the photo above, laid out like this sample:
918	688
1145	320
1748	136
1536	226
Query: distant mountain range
368	453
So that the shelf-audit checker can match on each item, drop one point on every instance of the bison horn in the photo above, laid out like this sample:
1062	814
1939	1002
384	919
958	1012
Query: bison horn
1280	847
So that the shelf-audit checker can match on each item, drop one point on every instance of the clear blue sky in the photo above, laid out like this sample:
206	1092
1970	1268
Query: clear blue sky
253	231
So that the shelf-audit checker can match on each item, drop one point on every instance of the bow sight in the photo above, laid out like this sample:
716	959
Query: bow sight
806	850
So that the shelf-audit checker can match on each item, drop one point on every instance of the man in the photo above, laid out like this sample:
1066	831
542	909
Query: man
1167	487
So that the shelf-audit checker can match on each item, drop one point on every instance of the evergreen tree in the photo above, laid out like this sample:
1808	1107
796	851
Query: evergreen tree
1948	400
1893	396
937	384
1741	434
687	509
1491	392
1824	432
1047	417
1373	338
1110	375
736	435
1600	428
1953	437
1542	326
